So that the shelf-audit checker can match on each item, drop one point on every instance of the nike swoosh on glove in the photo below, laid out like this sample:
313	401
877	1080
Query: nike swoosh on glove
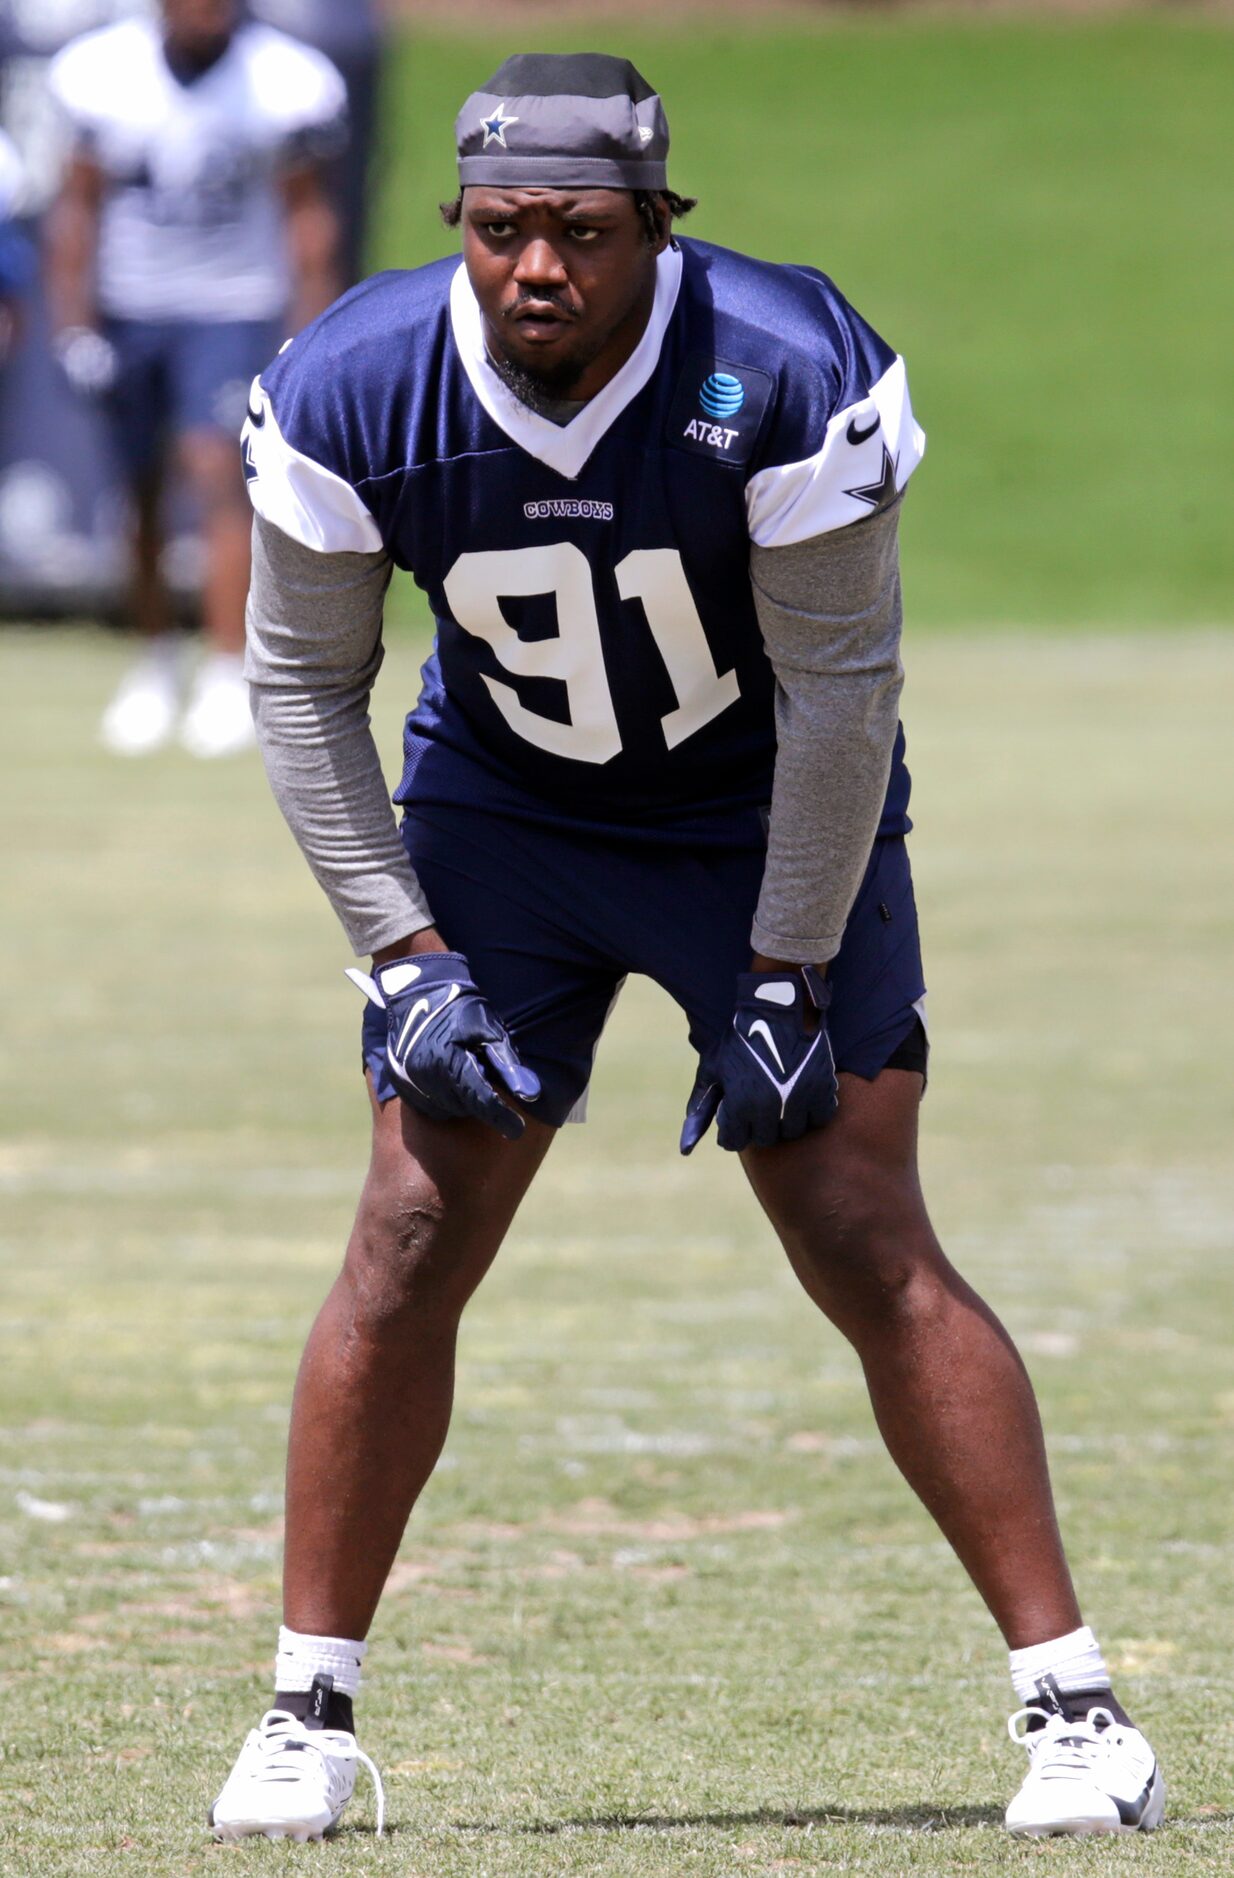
444	1045
773	1077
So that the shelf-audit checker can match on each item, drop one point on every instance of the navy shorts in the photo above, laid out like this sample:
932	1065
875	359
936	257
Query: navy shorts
180	375
551	922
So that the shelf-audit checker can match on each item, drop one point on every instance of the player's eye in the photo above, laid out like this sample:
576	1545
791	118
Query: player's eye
499	230
582	233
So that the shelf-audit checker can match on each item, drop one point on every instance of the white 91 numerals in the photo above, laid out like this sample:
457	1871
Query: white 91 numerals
475	587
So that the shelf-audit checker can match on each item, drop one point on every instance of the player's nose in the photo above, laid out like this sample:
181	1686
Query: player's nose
539	263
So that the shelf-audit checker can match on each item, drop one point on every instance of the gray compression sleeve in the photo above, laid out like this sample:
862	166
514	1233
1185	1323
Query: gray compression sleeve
314	649
830	613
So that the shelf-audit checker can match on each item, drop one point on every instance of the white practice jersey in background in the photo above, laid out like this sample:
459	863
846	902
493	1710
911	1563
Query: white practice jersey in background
192	225
10	179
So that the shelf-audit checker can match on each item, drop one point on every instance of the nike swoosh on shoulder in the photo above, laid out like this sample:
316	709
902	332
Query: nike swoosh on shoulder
856	436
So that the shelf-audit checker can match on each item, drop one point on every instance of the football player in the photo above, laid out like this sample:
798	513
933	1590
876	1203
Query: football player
651	488
190	234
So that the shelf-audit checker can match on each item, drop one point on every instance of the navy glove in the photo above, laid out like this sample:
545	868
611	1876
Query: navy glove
444	1045
772	1077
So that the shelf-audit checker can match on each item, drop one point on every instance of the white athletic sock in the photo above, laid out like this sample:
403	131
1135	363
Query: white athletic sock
1074	1661
300	1658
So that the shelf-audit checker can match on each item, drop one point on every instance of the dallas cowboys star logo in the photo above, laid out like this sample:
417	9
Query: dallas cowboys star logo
496	126
883	492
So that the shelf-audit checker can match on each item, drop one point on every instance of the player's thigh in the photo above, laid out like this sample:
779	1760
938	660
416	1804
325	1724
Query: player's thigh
524	906
847	1205
862	1166
212	364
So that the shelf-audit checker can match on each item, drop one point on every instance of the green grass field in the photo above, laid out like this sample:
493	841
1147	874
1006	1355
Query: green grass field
1034	213
665	1608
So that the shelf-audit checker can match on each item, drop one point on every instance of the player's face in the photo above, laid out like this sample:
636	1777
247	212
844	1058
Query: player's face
200	28
565	280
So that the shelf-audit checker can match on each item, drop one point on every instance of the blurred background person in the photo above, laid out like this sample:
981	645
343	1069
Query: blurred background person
191	234
15	253
63	516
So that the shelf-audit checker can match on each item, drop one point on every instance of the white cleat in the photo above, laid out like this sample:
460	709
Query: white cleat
1084	1778
142	715
218	721
291	1782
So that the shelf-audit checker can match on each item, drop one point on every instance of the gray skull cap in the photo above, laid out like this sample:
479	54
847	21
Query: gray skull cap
564	120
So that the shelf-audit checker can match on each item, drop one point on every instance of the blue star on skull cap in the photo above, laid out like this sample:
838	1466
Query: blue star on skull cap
564	120
495	128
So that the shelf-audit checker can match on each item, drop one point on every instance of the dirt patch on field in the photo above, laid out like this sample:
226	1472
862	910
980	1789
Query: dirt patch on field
454	1650
597	1518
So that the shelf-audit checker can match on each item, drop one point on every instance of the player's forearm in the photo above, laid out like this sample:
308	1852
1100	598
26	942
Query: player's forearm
70	249
830	782
313	241
316	279
426	939
327	782
314	649
830	614
761	962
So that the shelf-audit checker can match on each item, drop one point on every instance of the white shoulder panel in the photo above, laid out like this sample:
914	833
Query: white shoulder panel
298	86
306	501
83	75
868	447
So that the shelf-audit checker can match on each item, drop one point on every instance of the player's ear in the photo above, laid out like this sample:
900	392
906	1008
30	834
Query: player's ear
663	217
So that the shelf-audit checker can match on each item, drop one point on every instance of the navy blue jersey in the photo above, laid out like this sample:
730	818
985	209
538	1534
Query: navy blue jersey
598	658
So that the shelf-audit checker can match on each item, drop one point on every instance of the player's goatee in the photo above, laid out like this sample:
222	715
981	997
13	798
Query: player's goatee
537	389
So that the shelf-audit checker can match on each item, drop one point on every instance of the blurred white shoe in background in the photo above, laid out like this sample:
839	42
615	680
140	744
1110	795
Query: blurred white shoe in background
217	721
142	715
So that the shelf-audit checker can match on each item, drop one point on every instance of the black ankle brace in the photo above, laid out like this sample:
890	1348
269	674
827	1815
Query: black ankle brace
1074	1704
322	1706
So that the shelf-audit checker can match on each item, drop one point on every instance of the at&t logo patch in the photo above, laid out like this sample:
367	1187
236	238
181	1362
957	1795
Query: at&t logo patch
715	434
721	395
732	400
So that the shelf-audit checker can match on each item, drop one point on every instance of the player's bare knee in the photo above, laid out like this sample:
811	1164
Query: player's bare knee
402	1260
867	1255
